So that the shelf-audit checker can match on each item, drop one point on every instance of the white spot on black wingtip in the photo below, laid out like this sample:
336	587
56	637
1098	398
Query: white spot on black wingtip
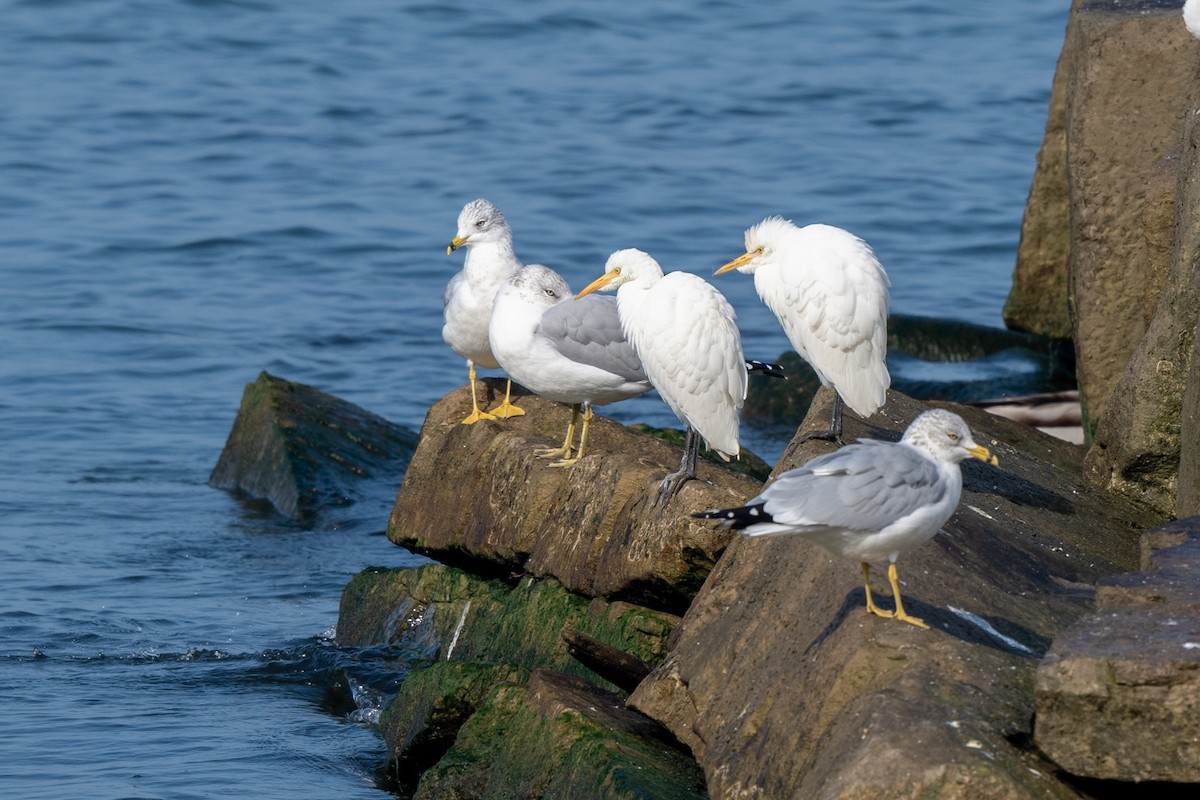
753	511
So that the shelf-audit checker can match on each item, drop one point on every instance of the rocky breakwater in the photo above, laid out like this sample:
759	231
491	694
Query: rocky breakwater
775	682
552	660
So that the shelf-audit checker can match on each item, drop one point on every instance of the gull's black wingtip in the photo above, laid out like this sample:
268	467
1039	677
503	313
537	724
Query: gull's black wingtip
737	518
755	367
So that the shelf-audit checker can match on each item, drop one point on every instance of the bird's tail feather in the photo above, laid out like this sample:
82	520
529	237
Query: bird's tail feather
737	518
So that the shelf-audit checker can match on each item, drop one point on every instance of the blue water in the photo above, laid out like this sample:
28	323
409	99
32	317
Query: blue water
194	191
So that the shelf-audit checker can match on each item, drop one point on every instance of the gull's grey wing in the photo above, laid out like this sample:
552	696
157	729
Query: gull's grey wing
588	331
451	286
865	486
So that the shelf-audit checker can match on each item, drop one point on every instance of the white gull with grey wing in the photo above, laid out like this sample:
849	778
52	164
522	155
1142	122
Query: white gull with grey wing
566	350
869	501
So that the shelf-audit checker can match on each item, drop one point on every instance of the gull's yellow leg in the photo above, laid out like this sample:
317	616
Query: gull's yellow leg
565	450
583	434
871	607
900	615
507	409
476	414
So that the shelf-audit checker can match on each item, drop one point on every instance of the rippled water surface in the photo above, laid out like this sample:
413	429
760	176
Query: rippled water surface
191	192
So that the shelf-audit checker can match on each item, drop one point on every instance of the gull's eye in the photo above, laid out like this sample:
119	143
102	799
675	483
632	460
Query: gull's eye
479	223
551	293
954	437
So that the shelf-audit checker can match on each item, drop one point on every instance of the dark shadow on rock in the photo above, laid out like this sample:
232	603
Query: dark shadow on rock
855	600
981	478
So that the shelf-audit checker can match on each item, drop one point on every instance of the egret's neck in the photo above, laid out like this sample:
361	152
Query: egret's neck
631	301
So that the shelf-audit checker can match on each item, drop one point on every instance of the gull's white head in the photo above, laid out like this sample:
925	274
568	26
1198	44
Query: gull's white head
536	285
945	436
763	242
625	266
480	222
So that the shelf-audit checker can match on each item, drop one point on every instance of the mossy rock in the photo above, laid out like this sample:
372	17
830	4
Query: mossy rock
441	613
421	722
561	737
308	453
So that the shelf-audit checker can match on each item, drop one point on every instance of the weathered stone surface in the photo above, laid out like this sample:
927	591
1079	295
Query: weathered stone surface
783	686
307	452
440	613
476	496
1133	78
422	721
559	737
1187	255
1038	300
1118	694
1137	445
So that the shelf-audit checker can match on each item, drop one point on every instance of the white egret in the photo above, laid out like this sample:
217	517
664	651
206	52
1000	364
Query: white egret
685	332
830	294
490	260
871	500
566	350
1191	17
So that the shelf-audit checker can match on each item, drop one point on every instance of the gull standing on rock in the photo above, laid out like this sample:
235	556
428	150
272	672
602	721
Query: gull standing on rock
566	350
685	332
871	500
830	294
490	260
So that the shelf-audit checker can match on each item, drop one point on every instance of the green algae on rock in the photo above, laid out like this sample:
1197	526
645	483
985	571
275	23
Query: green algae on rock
556	737
441	613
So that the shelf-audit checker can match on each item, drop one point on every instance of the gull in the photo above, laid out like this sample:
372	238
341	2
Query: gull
1191	17
830	294
490	260
871	500
566	350
686	335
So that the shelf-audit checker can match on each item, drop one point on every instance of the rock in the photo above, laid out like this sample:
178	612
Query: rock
306	452
422	721
610	663
1137	444
1117	129
475	496
1038	301
783	686
1186	255
437	613
746	464
471	638
1118	694
560	737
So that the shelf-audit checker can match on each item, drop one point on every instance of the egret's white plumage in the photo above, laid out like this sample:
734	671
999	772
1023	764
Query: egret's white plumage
830	294
469	295
566	350
1191	17
686	335
869	501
